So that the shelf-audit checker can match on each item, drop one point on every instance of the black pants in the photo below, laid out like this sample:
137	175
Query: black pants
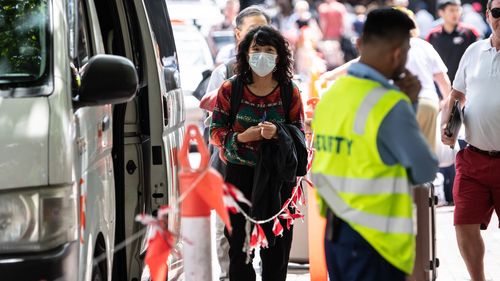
275	258
349	257
449	178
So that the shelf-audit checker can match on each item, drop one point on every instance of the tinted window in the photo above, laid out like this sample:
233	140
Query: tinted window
158	17
23	41
83	50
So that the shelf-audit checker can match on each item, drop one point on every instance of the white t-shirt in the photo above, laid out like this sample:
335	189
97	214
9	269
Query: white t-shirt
478	77
423	61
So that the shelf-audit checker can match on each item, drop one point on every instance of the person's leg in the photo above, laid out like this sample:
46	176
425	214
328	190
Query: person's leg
449	177
473	208
352	258
275	258
471	247
222	247
239	270
427	112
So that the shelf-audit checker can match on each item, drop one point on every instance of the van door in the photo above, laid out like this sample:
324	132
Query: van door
147	131
173	112
95	172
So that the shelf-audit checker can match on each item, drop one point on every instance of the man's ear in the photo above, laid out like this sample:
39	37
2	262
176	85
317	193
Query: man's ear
359	42
396	54
237	34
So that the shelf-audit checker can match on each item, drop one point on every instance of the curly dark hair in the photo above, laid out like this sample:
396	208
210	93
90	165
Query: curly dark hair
265	36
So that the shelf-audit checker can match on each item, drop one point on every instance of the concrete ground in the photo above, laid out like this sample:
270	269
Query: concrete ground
452	267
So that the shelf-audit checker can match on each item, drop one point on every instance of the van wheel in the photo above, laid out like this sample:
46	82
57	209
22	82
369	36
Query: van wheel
99	271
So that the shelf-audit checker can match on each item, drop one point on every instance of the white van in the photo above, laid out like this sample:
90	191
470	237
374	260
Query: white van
91	117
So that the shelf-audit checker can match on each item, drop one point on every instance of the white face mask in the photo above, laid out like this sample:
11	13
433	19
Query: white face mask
262	63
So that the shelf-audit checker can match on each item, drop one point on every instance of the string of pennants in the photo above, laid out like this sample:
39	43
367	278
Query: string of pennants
224	198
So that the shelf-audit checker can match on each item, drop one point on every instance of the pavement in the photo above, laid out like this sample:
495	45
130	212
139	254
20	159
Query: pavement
452	267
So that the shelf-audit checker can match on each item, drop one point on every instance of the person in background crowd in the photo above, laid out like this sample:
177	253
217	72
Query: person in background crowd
286	22
264	65
476	191
309	34
247	19
360	12
226	52
331	19
473	18
427	65
424	19
367	159
452	38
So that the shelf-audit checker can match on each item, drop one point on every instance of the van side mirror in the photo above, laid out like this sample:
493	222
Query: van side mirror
107	79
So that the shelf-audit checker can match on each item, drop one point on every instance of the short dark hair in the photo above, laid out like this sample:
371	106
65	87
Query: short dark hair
488	5
265	36
442	4
251	11
387	25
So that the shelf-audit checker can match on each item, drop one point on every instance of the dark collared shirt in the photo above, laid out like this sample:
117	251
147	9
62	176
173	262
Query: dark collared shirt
451	46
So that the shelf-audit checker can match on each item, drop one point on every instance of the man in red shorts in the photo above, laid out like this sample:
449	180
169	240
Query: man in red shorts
476	190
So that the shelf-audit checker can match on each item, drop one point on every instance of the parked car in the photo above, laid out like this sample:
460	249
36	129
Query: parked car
195	59
203	13
91	116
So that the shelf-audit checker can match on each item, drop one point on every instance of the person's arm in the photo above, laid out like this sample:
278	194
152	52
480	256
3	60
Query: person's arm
440	72
446	111
457	93
217	78
221	132
400	141
443	82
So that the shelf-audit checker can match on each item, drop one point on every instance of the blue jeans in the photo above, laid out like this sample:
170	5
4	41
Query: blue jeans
350	258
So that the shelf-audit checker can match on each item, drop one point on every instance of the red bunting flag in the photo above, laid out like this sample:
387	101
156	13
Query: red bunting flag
277	228
156	257
258	238
159	245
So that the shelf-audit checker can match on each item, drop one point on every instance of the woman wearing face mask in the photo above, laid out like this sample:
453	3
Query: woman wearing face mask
264	67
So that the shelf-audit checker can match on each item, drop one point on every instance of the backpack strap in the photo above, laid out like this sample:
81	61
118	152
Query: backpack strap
236	95
286	92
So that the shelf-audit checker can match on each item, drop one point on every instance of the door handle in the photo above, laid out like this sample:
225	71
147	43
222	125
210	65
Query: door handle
106	123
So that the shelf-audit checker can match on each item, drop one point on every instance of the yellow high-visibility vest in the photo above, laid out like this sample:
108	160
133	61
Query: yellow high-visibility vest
372	197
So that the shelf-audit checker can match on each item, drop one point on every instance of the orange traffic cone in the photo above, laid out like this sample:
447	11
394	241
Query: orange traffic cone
201	190
316	223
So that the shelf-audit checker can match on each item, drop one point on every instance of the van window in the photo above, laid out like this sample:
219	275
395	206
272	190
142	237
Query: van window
24	50
84	52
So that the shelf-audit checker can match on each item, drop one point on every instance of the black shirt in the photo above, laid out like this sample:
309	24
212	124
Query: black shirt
451	46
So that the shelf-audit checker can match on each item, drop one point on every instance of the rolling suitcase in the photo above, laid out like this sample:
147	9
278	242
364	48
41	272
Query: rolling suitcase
426	262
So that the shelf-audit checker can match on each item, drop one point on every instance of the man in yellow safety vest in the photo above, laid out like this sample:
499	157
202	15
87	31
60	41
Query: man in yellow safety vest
369	150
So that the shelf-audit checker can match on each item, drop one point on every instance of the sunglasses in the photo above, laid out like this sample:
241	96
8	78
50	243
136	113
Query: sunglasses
495	12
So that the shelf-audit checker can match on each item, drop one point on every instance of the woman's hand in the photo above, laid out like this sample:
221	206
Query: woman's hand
268	130
251	134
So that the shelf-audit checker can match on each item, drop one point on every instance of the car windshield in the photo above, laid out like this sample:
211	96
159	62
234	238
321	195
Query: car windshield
23	41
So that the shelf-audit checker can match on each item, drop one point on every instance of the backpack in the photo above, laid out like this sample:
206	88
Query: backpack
286	91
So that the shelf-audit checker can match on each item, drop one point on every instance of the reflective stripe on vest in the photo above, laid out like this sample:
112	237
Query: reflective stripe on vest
372	197
365	186
366	106
380	223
